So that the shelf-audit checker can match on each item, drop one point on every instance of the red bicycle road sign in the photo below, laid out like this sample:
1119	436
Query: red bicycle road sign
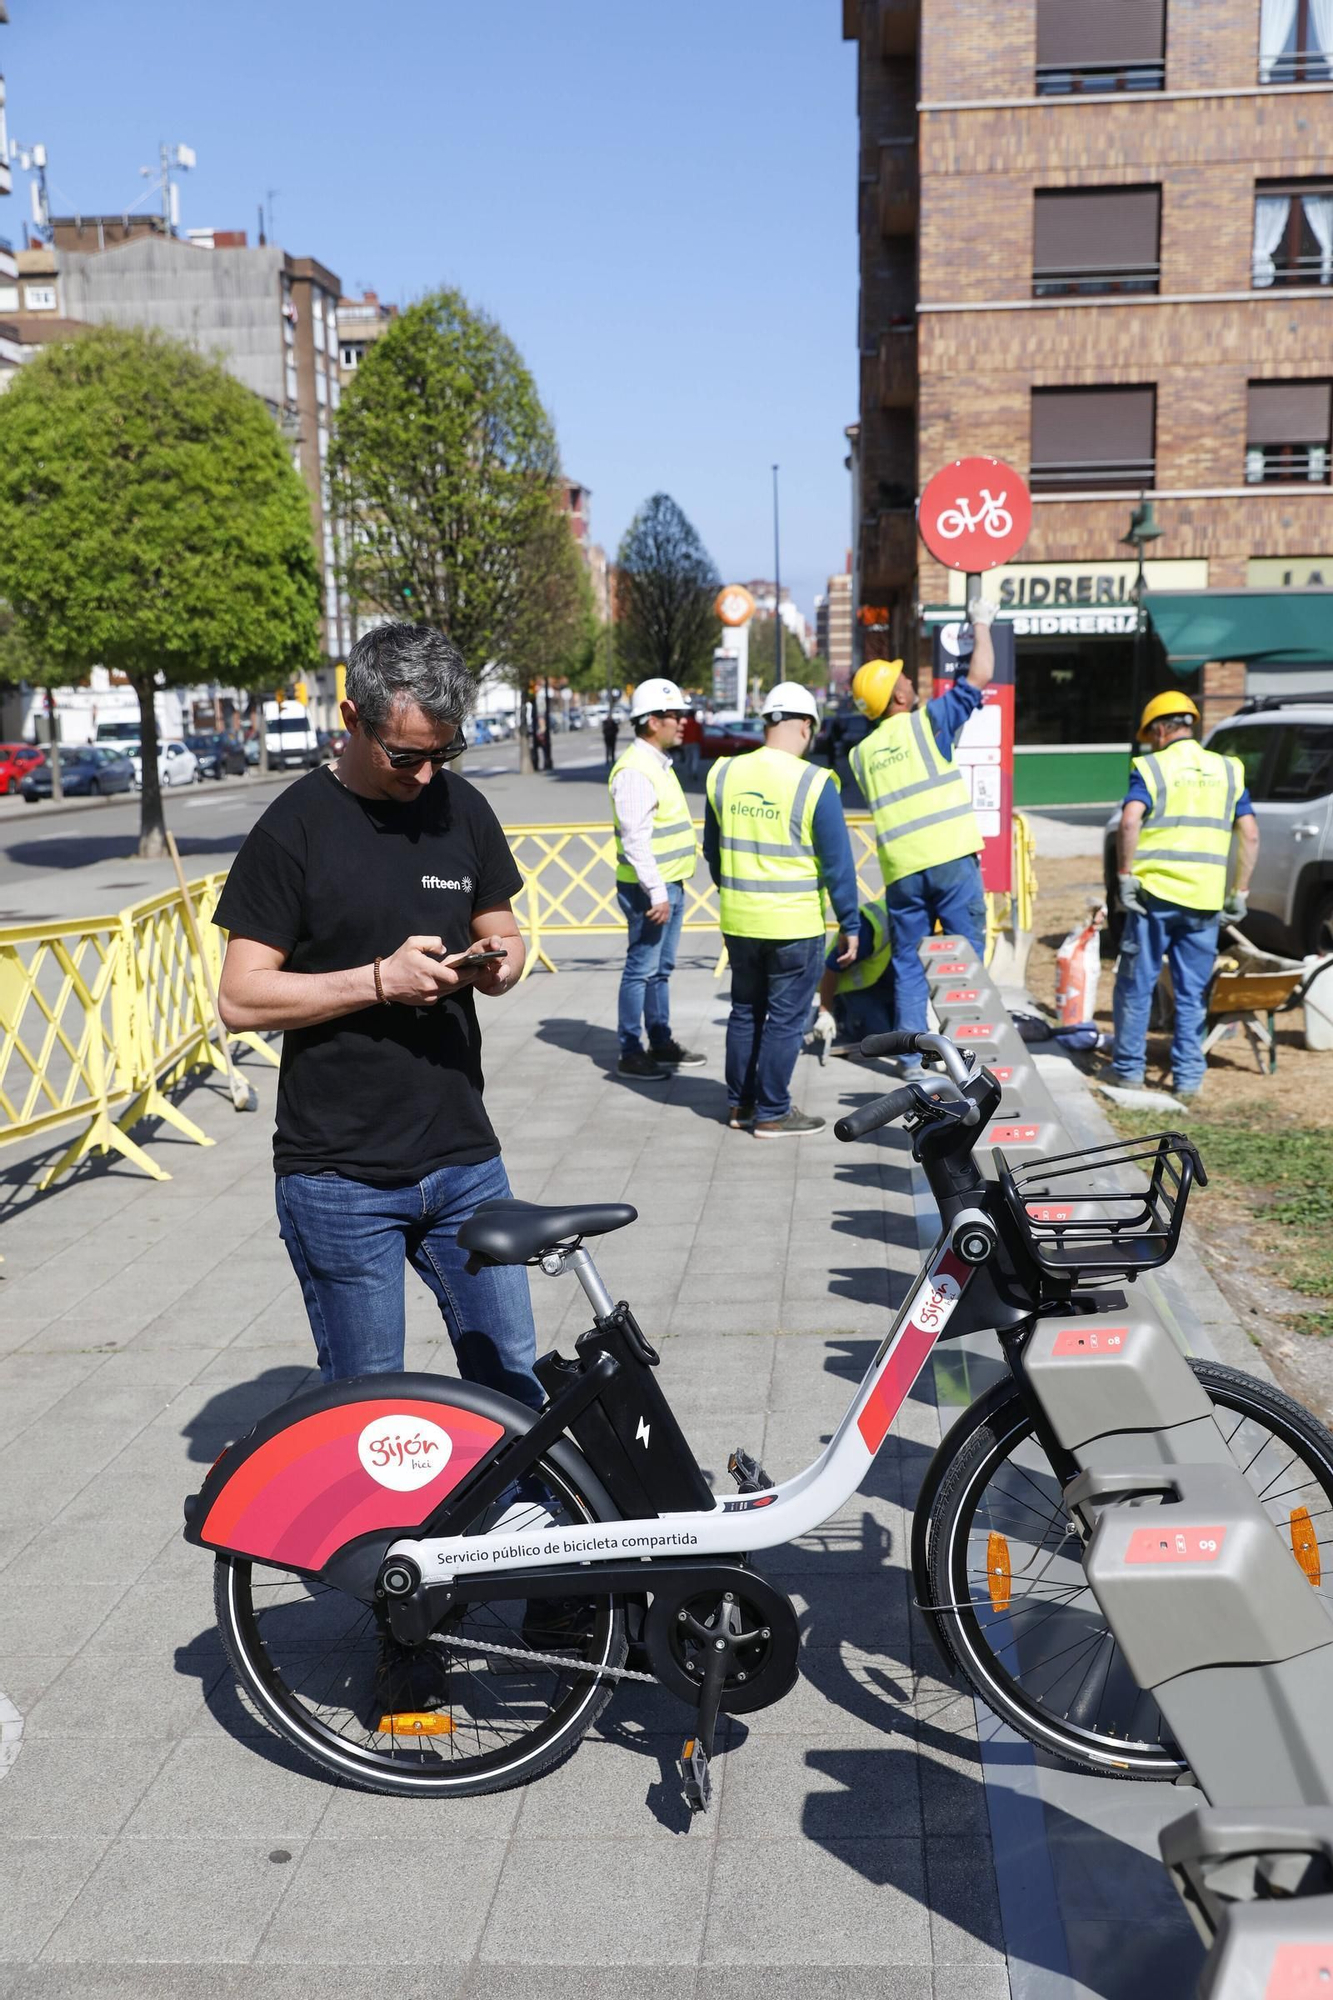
975	514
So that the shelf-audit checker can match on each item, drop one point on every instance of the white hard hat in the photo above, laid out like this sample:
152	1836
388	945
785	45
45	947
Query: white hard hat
652	697
790	698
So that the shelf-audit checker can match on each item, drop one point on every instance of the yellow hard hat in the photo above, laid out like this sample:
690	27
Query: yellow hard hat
873	685
1165	704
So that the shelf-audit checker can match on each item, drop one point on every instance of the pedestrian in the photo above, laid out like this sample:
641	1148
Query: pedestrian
350	903
691	740
925	829
541	742
655	855
774	831
610	734
858	998
1173	848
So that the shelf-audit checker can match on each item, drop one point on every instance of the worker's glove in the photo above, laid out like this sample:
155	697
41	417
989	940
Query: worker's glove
1129	894
823	1033
1236	905
981	610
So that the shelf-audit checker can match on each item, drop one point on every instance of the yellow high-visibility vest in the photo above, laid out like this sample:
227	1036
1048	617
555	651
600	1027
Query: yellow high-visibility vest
1185	841
868	971
764	803
675	844
917	796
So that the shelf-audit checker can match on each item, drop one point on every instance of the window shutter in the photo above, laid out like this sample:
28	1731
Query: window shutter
1092	426
1288	413
1101	229
1070	32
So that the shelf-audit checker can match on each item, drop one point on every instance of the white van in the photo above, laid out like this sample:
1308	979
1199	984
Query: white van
290	736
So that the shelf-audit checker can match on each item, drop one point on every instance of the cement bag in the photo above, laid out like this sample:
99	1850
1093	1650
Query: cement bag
1077	968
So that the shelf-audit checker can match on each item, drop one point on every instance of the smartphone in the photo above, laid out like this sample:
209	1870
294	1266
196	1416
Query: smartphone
476	959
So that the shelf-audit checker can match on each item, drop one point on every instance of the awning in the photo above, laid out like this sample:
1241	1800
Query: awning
1288	628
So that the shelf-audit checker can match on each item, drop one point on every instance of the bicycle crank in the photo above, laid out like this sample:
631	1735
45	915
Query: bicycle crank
682	1627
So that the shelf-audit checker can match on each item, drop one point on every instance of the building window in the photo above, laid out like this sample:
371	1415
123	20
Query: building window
350	355
317	305
292	386
40	298
1293	234
1287	433
331	338
321	390
1295	41
1092	439
1095	240
1091	46
9	298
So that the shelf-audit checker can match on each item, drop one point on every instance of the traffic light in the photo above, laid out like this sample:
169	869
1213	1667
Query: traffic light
300	694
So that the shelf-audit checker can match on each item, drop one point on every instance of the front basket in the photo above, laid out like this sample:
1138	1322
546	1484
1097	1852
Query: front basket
1107	1212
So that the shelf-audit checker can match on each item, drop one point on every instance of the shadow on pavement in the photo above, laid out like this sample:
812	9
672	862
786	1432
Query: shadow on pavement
84	850
689	1090
238	1406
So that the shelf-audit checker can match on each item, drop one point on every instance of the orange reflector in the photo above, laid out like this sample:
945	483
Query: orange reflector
1305	1545
998	1573
414	1722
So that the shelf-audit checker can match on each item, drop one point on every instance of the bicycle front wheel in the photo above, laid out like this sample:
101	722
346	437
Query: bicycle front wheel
1006	1571
499	1693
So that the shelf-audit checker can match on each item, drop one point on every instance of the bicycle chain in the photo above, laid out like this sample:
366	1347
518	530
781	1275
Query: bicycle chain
549	1660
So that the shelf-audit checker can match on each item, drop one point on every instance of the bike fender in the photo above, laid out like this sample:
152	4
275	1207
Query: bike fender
375	1455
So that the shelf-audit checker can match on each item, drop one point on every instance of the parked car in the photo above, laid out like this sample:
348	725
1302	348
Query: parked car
86	770
731	739
1285	743
839	733
16	760
218	753
332	743
290	735
176	765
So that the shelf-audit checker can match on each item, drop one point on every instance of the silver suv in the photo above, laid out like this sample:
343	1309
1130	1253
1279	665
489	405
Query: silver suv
1286	746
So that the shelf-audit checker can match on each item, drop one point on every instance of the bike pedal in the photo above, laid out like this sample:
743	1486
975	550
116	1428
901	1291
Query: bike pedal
747	1472
696	1779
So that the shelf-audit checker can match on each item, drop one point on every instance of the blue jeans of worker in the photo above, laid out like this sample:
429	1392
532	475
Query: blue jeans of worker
868	1011
950	894
773	982
1187	939
650	960
349	1242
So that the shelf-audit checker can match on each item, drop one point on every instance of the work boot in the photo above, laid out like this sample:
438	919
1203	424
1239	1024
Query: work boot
635	1063
673	1056
794	1126
739	1116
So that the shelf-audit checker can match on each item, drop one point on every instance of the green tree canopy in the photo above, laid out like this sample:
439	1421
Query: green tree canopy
445	465
666	582
796	665
151	521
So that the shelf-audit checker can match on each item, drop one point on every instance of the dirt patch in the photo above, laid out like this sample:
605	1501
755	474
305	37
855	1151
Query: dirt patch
1264	1220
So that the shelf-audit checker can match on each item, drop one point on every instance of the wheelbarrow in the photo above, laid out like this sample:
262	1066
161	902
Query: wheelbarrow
1249	989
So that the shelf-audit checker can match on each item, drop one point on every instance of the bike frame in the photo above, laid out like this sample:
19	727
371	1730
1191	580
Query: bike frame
759	1520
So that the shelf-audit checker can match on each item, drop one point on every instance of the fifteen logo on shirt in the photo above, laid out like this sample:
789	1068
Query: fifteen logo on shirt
463	882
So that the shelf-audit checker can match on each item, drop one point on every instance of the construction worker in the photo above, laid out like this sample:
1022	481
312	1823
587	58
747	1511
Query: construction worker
656	851
773	832
1173	850
856	1000
925	829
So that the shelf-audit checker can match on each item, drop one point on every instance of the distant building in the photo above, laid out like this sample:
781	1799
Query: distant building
10	355
833	628
360	323
273	318
576	502
793	619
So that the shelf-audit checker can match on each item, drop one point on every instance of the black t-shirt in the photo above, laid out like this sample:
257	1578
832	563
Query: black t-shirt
387	1094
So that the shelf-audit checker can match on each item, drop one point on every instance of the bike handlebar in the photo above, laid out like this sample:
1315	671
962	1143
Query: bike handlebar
899	1044
880	1111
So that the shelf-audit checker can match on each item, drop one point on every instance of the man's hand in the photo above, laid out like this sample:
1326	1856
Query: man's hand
847	948
491	979
982	610
414	975
1236	906
657	913
1128	886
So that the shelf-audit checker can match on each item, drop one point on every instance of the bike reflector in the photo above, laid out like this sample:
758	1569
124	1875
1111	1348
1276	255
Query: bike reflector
999	1571
415	1722
1305	1545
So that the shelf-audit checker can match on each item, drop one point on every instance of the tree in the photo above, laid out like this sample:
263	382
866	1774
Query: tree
553	626
665	586
151	521
444	465
764	654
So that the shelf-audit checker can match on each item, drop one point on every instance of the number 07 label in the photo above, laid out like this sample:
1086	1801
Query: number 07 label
1175	1545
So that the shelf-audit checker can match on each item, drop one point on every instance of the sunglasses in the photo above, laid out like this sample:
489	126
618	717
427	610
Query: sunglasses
412	760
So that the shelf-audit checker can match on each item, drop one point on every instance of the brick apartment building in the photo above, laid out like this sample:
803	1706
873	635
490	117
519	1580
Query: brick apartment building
10	354
1096	241
833	628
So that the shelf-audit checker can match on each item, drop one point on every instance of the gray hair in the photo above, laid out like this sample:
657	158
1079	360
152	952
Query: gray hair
413	662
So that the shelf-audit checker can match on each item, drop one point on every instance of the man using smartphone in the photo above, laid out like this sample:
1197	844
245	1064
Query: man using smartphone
366	908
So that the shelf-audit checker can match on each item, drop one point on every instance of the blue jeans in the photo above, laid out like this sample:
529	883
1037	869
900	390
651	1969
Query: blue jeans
865	1011
650	960
773	982
1187	939
950	893
348	1241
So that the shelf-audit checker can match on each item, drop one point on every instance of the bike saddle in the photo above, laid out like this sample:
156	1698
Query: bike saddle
514	1232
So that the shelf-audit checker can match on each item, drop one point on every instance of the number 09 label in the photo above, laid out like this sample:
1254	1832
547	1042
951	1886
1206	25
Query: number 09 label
1175	1545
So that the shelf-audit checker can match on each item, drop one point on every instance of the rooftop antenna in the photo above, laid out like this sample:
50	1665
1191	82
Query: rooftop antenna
270	196
171	161
32	159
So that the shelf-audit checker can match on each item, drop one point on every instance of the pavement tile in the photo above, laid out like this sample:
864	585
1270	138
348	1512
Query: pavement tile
107	1544
964	1907
136	1698
808	1904
628	1788
577	1982
619	1903
824	1788
358	1815
384	1903
39	1879
57	1784
52	1617
172	1901
212	1786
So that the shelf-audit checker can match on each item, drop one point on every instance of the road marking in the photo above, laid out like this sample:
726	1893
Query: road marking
217	805
11	1733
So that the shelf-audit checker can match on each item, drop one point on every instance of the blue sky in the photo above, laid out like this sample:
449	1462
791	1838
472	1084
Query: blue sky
658	203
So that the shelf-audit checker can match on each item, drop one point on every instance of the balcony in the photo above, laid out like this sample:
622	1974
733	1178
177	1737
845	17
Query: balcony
899	187
1092	475
1076	281
1286	464
1099	79
899	26
895	369
1312	268
888	551
9	269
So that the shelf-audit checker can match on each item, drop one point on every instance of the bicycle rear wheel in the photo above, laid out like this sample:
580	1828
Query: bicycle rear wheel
467	1711
1005	1568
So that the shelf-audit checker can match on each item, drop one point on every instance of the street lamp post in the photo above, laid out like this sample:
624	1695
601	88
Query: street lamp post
1143	529
777	578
